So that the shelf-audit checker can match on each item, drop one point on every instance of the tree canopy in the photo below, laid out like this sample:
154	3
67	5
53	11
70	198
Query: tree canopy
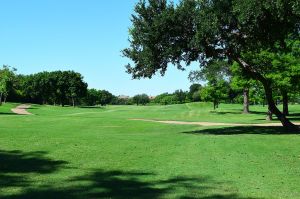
7	77
201	31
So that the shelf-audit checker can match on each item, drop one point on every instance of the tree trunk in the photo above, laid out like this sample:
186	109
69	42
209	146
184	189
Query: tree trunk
285	102
246	100
269	95
4	99
73	102
215	105
272	107
0	99
269	114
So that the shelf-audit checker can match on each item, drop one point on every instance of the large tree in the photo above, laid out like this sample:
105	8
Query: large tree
164	33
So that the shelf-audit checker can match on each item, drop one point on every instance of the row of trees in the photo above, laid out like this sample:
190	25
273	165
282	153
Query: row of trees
68	88
260	37
57	87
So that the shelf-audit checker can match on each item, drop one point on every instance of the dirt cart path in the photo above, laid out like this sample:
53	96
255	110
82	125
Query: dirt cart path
21	109
210	123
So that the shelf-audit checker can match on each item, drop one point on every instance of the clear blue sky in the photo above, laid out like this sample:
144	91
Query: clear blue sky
81	35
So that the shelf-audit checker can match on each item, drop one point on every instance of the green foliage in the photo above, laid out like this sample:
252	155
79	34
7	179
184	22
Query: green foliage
193	30
63	87
239	79
194	92
210	31
105	97
217	75
97	97
122	101
178	97
142	99
7	78
215	92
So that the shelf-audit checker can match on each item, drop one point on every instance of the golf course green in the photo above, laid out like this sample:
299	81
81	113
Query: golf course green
101	152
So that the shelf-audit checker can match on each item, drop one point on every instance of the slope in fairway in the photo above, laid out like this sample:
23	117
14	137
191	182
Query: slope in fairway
99	153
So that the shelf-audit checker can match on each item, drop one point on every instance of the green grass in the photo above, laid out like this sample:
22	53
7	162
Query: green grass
99	153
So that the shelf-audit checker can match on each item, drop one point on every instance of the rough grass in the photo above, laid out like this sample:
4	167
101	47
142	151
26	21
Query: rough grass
99	153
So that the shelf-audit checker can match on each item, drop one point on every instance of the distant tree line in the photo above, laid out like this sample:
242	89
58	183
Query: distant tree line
68	88
55	88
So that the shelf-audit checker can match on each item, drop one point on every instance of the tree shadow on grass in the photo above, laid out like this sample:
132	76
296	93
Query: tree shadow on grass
15	165
1	113
27	162
259	112
225	112
294	116
32	108
92	107
239	130
235	112
120	184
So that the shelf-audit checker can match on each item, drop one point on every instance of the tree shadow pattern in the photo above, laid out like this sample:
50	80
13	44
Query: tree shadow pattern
119	184
263	114
239	130
234	112
15	166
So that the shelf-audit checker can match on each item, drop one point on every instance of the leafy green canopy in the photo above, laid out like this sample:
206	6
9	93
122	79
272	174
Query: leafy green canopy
7	78
142	99
54	87
164	33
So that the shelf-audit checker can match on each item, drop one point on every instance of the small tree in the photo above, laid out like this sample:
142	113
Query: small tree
214	92
142	99
7	75
105	97
194	92
217	76
241	82
180	96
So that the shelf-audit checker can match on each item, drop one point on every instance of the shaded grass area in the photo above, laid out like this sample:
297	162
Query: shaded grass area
238	130
99	153
120	184
16	165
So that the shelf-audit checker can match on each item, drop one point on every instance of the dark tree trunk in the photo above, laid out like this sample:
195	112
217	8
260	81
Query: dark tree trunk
285	102
272	107
0	99
269	114
246	100
4	99
215	104
73	102
269	95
